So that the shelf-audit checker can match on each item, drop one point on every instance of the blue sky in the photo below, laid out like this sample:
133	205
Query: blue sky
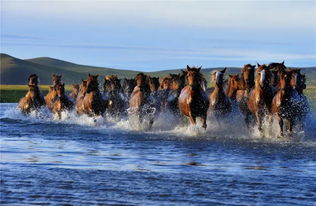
156	35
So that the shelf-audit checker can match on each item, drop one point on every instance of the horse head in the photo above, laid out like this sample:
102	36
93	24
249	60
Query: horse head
141	79
75	88
194	77
153	83
218	76
60	90
56	79
33	80
248	76
165	83
263	75
128	85
233	85
92	83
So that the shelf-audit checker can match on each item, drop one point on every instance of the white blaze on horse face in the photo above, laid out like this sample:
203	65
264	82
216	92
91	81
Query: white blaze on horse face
263	77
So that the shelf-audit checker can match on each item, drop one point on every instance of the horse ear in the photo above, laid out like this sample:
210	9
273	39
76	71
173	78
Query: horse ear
89	74
258	64
282	62
224	70
188	67
199	69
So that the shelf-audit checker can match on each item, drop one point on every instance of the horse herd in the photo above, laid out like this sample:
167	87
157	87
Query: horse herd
273	91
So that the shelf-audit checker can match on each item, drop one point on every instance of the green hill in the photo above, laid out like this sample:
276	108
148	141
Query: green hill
16	71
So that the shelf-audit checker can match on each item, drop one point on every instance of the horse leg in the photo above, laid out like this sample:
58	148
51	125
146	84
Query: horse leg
281	123
204	121
192	119
259	121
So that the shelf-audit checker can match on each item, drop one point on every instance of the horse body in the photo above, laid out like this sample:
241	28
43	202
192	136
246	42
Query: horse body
61	102
139	103
193	101
90	100
283	106
33	98
260	98
74	94
219	102
52	94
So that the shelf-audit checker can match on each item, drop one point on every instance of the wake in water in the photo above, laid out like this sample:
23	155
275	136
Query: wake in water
232	126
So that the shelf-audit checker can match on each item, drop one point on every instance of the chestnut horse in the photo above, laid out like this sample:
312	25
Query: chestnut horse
139	103
92	103
164	91
260	98
33	98
193	101
282	103
220	104
51	95
61	101
128	87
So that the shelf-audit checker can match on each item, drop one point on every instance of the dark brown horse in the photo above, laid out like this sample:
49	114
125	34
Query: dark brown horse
282	103
193	101
234	85
128	87
260	98
116	104
33	98
61	101
139	103
51	95
220	104
92	103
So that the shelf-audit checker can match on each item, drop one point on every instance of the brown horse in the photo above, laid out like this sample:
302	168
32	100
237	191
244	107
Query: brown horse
61	101
92	102
234	84
114	96
260	98
140	102
220	104
74	93
33	98
52	94
282	103
193	101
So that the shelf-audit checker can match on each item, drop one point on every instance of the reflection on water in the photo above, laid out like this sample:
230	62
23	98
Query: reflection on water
77	162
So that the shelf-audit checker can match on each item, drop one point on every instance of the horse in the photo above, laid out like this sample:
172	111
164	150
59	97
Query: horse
220	104
92	102
51	95
234	84
114	96
33	98
193	101
177	83
61	101
276	70
74	93
163	92
139	103
260	98
282	103
128	87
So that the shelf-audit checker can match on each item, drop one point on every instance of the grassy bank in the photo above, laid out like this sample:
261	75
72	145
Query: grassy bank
12	93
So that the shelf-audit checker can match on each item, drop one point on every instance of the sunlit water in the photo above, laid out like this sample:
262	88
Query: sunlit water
86	161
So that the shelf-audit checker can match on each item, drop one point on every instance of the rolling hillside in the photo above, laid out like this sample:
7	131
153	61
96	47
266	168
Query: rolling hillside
15	71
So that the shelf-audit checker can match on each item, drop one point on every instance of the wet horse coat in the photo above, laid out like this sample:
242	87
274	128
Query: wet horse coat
193	101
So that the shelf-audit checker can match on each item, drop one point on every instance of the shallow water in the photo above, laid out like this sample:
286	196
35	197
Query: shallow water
85	161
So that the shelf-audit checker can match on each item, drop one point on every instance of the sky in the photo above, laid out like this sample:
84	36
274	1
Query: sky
157	35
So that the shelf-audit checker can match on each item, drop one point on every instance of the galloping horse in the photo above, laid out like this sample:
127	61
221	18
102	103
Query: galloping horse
193	101
92	102
114	96
139	103
164	91
61	101
177	83
234	84
282	103
260	98
51	95
33	98
219	102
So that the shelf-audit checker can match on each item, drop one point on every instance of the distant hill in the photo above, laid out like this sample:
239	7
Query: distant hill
16	71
